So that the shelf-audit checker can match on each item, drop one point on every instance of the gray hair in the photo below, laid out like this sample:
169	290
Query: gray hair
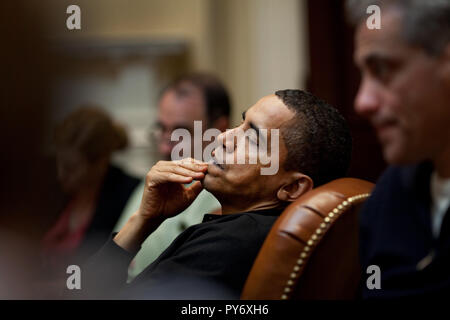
426	23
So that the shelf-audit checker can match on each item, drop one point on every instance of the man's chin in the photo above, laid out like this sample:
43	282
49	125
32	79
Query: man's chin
391	154
397	156
212	184
206	182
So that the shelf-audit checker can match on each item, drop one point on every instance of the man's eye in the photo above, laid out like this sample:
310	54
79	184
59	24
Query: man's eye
382	71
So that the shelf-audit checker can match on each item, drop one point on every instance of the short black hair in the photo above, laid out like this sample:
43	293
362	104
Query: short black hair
215	95
317	138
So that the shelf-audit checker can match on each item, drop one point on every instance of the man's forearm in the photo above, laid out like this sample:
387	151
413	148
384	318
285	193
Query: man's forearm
135	231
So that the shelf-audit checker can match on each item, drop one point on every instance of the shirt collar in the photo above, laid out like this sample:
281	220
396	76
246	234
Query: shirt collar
267	212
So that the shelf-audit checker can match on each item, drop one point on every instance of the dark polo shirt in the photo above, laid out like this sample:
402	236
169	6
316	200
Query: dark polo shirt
210	260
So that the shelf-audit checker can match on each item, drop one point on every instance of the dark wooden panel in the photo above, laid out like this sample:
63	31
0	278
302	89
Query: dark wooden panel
334	77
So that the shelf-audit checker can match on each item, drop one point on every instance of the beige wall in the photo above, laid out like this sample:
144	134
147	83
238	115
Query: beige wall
154	19
260	46
256	46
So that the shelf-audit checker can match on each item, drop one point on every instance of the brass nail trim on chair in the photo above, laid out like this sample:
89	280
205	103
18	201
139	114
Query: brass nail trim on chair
315	239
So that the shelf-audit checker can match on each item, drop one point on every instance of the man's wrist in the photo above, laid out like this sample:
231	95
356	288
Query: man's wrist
136	230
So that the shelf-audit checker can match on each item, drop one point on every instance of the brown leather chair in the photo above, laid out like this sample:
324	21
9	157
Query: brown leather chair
311	251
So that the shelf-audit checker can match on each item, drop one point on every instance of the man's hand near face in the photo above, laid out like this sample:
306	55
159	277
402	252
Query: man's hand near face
164	196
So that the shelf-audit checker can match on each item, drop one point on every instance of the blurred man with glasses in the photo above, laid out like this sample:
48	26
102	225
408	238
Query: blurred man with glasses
192	97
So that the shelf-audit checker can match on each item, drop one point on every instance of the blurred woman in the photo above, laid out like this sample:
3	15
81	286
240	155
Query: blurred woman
96	190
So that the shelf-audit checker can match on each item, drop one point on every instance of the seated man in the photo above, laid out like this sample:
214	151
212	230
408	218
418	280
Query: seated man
212	259
404	92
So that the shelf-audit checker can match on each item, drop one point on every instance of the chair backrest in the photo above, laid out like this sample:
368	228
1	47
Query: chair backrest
311	251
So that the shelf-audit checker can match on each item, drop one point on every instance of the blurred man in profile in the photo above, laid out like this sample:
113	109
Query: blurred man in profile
405	93
192	97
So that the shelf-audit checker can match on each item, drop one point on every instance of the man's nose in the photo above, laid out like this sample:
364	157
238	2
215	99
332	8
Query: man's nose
367	100
226	140
165	148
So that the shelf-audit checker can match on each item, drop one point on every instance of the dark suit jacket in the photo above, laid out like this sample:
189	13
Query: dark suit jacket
396	235
116	189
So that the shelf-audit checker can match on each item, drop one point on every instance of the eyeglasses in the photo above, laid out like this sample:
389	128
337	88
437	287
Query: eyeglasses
158	132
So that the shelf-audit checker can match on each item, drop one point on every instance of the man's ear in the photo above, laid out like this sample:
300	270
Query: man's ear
221	123
298	185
